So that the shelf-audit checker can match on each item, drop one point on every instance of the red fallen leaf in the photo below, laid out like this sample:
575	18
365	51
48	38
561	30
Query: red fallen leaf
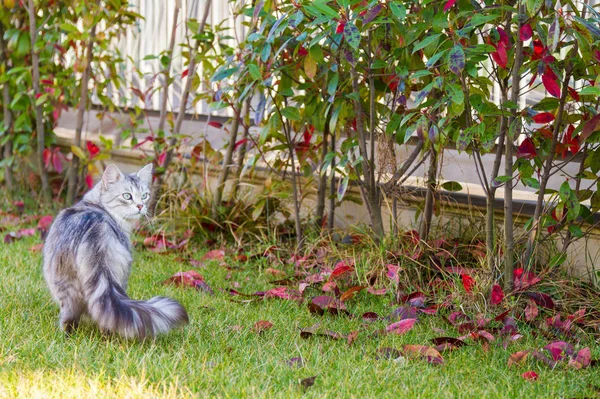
497	295
37	247
455	317
524	279
530	375
401	327
191	278
373	291
215	124
558	348
392	272
582	359
449	5
45	222
25	233
370	317
538	355
283	293
484	334
526	149
330	286
542	299
351	292
551	84
295	362
92	148
217	254
402	313
526	32
261	326
341	269
416	299
428	353
321	303
531	311
468	282
510	326
544	117
517	358
352	337
577	317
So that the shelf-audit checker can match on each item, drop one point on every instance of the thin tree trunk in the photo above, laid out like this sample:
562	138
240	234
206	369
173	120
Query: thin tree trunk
156	186
39	116
242	150
322	187
74	168
8	119
513	134
295	191
242	110
164	101
430	195
331	213
547	169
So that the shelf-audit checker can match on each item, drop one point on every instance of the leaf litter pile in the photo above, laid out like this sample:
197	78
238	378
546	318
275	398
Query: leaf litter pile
326	284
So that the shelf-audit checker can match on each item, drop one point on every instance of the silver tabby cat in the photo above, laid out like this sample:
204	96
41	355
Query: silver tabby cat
87	260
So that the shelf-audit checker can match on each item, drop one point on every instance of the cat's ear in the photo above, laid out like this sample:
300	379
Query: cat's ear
145	174
111	175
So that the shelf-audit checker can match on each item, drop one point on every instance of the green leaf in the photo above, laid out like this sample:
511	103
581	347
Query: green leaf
69	28
590	90
291	113
531	182
223	74
533	6
254	71
310	66
325	9
465	137
575	231
333	83
455	93
352	35
558	259
393	124
435	58
426	42
342	188
456	59
398	10
265	53
258	209
452	186
547	104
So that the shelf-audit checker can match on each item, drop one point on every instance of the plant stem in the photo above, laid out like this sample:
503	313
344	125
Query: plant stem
243	148
39	116
8	117
82	106
331	213
322	187
429	196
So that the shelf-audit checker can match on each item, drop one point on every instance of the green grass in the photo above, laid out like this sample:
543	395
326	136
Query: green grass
210	357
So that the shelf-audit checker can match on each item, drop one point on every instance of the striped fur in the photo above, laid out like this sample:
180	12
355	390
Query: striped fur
87	260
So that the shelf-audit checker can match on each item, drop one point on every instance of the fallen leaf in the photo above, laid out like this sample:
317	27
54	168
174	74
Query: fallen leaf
191	278
497	295
319	304
455	342
530	375
517	358
543	358
37	247
341	269
542	299
215	254
416	299
402	313
401	327
295	362
308	382
531	311
352	337
283	293
275	272
431	355
582	359
468	282
558	349
261	326
351	292
370	317
373	291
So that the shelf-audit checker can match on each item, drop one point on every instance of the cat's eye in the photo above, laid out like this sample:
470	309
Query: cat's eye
127	196
144	196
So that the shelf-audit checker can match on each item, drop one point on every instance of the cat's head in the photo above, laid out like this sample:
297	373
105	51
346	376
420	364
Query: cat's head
126	196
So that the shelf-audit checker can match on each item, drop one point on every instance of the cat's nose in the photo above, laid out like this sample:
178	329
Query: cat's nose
140	206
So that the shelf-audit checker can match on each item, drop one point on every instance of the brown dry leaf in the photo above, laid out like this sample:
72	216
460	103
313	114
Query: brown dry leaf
351	292
352	337
517	358
262	326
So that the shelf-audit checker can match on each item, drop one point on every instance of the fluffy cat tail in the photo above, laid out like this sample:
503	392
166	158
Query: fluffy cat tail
115	312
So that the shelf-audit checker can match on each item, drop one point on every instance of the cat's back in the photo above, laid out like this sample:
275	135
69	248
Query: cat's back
82	223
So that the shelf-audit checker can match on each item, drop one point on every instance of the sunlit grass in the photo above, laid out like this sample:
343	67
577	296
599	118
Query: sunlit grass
212	357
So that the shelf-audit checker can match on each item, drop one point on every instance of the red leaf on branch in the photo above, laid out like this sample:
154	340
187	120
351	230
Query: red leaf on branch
551	84
185	73
215	124
526	149
526	32
590	127
500	56
340	27
92	148
89	181
573	93
544	117
449	5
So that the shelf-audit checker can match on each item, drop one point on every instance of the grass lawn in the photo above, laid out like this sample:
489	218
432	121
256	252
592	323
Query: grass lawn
218	355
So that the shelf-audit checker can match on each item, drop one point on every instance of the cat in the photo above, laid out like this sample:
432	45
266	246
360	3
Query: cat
87	260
